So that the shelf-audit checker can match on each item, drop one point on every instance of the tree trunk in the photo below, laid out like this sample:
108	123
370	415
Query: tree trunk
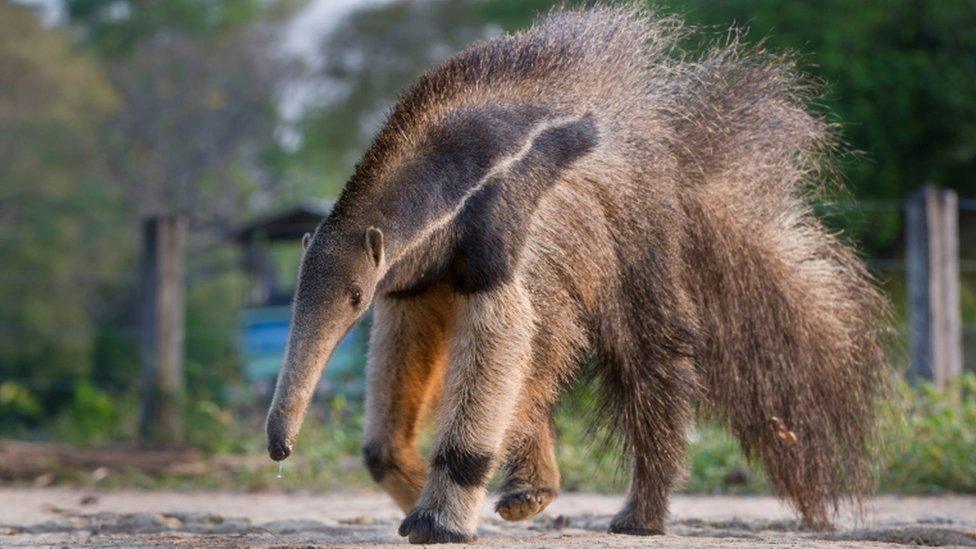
163	326
933	285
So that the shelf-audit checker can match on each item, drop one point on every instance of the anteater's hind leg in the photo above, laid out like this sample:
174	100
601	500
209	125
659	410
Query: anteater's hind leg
533	476
650	381
408	353
653	411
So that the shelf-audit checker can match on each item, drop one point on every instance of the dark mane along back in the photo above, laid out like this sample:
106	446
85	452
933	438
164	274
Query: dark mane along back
570	62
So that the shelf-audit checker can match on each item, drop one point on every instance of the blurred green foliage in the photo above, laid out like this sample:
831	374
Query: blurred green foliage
115	27
898	76
57	247
928	438
93	417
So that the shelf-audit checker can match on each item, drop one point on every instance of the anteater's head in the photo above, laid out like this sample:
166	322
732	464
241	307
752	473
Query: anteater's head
336	282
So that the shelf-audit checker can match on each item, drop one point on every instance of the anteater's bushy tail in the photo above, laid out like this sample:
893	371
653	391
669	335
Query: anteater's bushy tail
794	358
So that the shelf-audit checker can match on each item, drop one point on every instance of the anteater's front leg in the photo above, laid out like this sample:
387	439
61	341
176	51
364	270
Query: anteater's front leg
408	355
489	357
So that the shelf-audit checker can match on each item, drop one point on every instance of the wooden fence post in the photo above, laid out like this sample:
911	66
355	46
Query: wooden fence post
163	292
933	285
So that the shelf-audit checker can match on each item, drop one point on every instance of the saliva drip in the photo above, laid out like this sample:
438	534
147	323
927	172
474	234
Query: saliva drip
281	468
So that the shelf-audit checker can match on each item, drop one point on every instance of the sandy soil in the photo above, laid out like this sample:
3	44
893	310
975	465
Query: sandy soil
59	517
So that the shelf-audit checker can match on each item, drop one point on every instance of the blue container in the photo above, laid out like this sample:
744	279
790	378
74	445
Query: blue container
264	335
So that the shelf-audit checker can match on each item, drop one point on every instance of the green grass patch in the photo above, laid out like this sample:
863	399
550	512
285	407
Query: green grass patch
927	436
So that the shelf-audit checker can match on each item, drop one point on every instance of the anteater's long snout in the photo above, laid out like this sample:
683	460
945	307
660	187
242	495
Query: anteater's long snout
308	350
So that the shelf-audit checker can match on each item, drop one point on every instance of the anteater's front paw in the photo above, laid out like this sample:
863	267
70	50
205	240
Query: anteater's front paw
424	526
524	504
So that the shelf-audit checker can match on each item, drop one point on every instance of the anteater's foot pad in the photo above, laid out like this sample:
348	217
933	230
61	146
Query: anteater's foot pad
525	503
423	526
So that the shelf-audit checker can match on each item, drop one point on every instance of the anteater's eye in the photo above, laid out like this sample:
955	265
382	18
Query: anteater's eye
356	296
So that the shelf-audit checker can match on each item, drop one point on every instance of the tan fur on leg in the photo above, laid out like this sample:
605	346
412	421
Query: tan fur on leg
489	358
408	353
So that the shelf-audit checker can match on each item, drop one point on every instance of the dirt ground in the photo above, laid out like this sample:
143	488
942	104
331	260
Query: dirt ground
77	518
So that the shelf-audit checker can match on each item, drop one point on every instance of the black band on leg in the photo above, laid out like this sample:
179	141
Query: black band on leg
378	461
465	468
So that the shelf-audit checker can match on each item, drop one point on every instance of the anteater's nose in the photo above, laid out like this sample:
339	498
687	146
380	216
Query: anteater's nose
279	451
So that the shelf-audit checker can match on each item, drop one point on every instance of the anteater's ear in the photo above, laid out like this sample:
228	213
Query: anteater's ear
374	245
306	238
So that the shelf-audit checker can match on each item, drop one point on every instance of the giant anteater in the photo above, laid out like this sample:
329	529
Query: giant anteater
583	191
